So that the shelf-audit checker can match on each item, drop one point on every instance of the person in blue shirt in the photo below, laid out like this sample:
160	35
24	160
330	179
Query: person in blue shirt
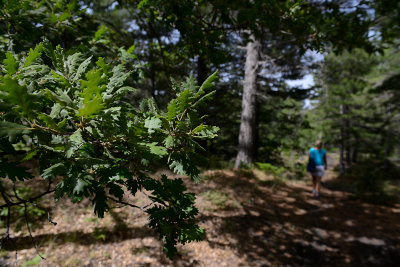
318	156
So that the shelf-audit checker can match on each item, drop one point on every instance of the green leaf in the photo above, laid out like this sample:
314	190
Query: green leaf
198	128
124	90
18	95
152	105
52	171
131	49
100	32
55	110
169	142
31	154
72	63
75	142
125	56
64	16
11	129
81	183
156	150
204	98
14	171
100	204
49	51
132	185
61	125
190	84
33	55
172	110
175	85
101	64
92	99
208	132
118	78
208	83
142	4
60	78
59	191
116	190
91	107
50	123
81	69
191	233
152	124
92	84
184	100
76	137
177	167
37	70
197	145
193	118
60	97
11	64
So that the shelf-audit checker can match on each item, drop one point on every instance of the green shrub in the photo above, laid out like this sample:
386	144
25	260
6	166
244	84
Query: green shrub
369	180
270	169
70	113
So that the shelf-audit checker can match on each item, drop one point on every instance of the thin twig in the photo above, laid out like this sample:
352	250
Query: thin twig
35	204
24	201
16	194
128	204
30	233
7	234
47	211
150	197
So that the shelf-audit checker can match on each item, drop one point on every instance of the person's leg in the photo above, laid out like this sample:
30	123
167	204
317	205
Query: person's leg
314	183
318	185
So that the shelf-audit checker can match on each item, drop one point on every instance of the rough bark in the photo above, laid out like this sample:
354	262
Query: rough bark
248	116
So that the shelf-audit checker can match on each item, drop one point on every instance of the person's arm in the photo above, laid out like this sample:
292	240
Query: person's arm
325	163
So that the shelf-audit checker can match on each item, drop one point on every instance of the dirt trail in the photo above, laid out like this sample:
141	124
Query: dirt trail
250	219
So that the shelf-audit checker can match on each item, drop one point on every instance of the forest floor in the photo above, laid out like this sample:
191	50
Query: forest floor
251	219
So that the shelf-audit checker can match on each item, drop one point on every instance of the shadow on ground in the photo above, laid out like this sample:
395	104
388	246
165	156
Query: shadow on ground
265	222
280	224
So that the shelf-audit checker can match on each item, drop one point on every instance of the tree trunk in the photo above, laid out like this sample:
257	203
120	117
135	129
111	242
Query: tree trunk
355	151
347	138
342	168
248	116
202	70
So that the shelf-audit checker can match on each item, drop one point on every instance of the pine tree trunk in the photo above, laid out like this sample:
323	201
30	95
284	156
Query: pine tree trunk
248	116
388	146
342	168
347	138
355	151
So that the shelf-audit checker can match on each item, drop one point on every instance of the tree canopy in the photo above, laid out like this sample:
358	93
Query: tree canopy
97	95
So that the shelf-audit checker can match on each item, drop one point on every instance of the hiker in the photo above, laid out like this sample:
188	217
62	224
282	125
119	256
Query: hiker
317	166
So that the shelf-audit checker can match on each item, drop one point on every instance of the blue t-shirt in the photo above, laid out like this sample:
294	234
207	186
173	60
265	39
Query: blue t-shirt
317	156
